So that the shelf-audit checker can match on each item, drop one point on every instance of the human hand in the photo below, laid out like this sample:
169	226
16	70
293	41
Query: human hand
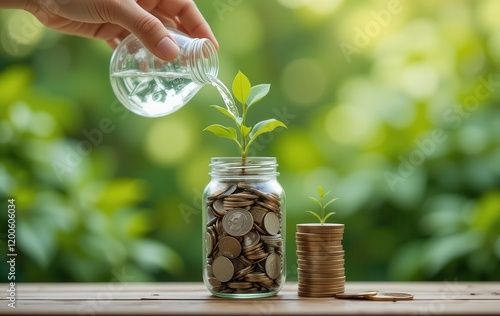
113	20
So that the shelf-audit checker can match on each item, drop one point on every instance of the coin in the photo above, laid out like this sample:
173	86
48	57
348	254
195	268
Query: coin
270	206
320	291
214	281
240	285
318	229
330	254
315	237
323	277
316	294
273	265
258	214
308	273
320	255
223	269
251	239
229	190
317	250
337	287
229	247
390	296
209	245
237	222
335	243
272	223
218	208
270	197
356	294
243	195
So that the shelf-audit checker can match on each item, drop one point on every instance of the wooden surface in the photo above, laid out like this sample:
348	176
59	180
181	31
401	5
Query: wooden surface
443	298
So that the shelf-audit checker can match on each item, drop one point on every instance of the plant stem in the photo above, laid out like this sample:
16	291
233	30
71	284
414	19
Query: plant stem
243	138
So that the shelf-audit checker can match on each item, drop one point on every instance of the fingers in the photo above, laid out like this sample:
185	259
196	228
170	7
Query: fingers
189	17
149	29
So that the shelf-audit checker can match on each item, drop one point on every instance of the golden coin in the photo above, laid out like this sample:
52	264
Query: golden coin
320	260
237	222
308	273
318	239
229	247
223	269
305	251
322	279
272	223
316	295
314	237
320	267
335	243
322	288
390	296
273	265
308	269
356	294
322	256
331	254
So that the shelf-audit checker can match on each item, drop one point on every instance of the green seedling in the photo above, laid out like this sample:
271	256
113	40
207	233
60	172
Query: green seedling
322	217
247	96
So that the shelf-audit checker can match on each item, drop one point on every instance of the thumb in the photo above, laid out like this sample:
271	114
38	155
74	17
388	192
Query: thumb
149	30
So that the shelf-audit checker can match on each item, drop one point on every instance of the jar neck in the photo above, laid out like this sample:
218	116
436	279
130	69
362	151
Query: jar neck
202	60
249	168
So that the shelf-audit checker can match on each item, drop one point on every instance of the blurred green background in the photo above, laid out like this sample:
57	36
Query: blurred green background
392	105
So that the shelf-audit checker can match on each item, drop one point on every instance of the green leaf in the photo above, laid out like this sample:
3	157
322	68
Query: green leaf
328	215
264	127
317	202
225	112
330	202
316	215
321	191
241	87
257	93
222	131
245	130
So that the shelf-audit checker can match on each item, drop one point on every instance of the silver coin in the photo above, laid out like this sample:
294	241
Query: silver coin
237	222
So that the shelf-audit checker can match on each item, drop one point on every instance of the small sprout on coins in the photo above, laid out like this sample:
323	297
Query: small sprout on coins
322	217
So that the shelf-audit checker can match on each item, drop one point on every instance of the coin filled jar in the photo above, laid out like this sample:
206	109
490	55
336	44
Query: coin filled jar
244	228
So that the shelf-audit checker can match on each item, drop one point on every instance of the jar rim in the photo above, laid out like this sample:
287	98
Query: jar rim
237	167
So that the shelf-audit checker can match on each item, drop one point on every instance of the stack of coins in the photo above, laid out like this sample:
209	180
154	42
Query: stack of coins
320	256
243	240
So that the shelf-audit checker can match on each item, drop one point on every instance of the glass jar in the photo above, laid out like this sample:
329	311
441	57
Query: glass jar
244	228
152	87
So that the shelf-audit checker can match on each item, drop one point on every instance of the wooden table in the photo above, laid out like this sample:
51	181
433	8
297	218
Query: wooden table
441	298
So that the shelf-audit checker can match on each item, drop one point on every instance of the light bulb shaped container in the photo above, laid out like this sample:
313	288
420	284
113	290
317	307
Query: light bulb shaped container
152	87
